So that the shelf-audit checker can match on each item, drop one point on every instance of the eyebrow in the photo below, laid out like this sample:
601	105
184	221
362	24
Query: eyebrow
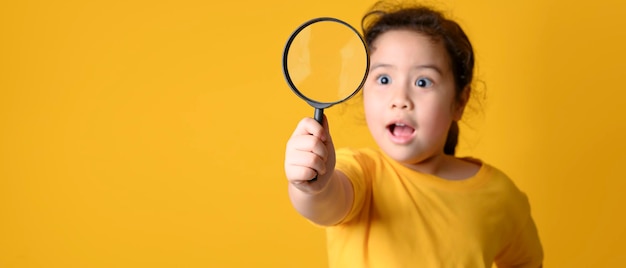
423	66
429	66
380	65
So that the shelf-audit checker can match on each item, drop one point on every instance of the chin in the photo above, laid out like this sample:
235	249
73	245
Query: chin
403	157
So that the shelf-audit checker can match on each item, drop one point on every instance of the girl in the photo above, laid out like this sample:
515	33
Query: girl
411	202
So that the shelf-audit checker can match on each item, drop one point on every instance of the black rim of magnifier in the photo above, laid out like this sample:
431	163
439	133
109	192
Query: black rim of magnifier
314	103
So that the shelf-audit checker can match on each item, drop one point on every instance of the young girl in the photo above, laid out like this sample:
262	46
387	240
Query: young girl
411	202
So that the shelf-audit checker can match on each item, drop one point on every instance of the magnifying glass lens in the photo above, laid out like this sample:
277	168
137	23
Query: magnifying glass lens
327	61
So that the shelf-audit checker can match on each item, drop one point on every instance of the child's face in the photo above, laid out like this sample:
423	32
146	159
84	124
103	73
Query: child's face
409	96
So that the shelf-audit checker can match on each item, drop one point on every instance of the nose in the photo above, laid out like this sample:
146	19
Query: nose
401	100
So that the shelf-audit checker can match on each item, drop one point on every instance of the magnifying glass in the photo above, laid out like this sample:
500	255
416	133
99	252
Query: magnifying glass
325	62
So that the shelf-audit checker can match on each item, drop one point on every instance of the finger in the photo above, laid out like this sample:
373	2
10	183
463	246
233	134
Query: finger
308	143
308	126
299	174
307	160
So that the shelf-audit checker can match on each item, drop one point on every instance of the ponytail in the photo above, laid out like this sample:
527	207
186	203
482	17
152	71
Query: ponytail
452	140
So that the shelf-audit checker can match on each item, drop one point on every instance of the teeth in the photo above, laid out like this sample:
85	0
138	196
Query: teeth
400	124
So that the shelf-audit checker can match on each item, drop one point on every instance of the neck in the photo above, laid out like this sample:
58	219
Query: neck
431	165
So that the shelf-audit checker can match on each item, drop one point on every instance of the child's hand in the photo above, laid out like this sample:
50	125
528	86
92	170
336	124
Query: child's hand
310	152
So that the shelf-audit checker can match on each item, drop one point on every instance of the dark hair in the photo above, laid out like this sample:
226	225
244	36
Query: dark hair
384	17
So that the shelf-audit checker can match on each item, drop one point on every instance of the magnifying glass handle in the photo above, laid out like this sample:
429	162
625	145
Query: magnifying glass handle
319	117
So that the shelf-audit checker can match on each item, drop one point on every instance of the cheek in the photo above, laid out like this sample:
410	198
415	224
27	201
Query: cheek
436	115
371	107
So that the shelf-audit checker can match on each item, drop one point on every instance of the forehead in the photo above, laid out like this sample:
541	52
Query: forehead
409	45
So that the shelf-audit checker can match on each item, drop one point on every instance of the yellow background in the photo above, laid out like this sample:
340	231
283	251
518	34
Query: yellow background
151	133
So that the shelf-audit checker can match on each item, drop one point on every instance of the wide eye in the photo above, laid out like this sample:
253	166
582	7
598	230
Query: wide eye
383	79
423	82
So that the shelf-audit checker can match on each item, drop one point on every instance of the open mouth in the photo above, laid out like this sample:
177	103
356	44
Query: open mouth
400	130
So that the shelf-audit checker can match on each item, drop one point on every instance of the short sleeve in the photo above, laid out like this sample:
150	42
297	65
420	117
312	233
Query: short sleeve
358	169
523	250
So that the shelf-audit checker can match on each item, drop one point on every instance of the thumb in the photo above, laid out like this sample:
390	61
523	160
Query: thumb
326	137
326	134
330	149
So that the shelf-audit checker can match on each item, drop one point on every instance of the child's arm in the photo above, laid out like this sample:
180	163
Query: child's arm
310	152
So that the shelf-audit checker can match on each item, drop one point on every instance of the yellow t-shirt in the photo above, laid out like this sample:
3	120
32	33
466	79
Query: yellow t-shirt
403	218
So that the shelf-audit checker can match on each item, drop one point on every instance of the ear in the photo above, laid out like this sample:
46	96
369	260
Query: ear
459	106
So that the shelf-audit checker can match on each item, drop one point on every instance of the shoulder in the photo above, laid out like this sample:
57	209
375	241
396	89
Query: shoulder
361	166
505	190
499	178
